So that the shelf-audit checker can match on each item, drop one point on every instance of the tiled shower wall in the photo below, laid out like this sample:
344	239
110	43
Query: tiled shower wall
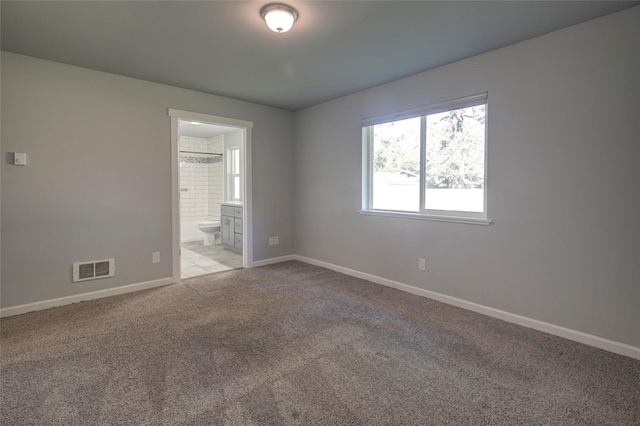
200	178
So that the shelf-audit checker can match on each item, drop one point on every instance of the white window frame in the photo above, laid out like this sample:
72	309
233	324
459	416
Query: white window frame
232	174
479	218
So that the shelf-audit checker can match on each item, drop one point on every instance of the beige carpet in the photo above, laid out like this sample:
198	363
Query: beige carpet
295	344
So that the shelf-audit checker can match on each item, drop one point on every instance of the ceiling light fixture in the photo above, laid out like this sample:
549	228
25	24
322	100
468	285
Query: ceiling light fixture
279	17
194	123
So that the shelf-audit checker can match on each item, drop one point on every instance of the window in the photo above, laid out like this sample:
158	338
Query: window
428	162
233	174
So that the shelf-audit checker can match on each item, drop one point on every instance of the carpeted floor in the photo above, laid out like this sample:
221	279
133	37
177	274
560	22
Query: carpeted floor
297	344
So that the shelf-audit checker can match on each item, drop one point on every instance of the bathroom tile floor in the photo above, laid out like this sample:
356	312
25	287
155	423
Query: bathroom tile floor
198	259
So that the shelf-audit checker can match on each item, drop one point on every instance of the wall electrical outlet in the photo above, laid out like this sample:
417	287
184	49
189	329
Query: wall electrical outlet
270	241
156	257
276	240
422	264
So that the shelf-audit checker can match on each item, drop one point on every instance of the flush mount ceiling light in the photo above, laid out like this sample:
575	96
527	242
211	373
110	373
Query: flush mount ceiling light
279	17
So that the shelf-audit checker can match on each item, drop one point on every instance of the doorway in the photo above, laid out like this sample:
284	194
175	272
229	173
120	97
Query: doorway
210	194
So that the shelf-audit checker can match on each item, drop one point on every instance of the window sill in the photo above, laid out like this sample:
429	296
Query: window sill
451	219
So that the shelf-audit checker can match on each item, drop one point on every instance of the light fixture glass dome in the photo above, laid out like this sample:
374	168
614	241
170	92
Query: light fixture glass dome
279	17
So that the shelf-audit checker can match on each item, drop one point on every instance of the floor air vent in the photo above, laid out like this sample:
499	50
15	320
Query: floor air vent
84	271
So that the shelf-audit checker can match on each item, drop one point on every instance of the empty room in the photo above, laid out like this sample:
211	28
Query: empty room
320	213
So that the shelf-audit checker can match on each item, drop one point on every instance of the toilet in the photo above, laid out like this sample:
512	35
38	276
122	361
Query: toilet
211	229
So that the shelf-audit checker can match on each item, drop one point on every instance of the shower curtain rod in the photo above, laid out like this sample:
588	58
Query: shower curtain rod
205	153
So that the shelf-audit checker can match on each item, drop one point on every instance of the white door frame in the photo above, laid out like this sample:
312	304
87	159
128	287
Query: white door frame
247	126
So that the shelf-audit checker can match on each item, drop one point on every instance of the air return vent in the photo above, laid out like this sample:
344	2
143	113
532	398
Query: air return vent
93	270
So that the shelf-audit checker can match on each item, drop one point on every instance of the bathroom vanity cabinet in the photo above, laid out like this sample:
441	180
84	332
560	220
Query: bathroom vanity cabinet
231	227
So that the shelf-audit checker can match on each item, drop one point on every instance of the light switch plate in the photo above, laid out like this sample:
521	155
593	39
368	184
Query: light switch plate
19	159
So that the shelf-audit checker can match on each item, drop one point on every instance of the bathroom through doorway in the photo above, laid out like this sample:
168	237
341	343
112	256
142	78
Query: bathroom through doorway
211	177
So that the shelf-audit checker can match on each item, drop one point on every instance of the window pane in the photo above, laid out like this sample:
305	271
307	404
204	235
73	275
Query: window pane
396	165
454	176
236	161
236	187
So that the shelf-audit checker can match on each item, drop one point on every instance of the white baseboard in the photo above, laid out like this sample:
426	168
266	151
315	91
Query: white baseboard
46	304
577	336
273	260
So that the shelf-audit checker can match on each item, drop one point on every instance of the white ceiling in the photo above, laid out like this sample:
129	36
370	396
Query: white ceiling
202	130
224	48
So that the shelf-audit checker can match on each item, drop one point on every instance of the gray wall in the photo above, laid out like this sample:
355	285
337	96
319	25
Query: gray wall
98	180
563	178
